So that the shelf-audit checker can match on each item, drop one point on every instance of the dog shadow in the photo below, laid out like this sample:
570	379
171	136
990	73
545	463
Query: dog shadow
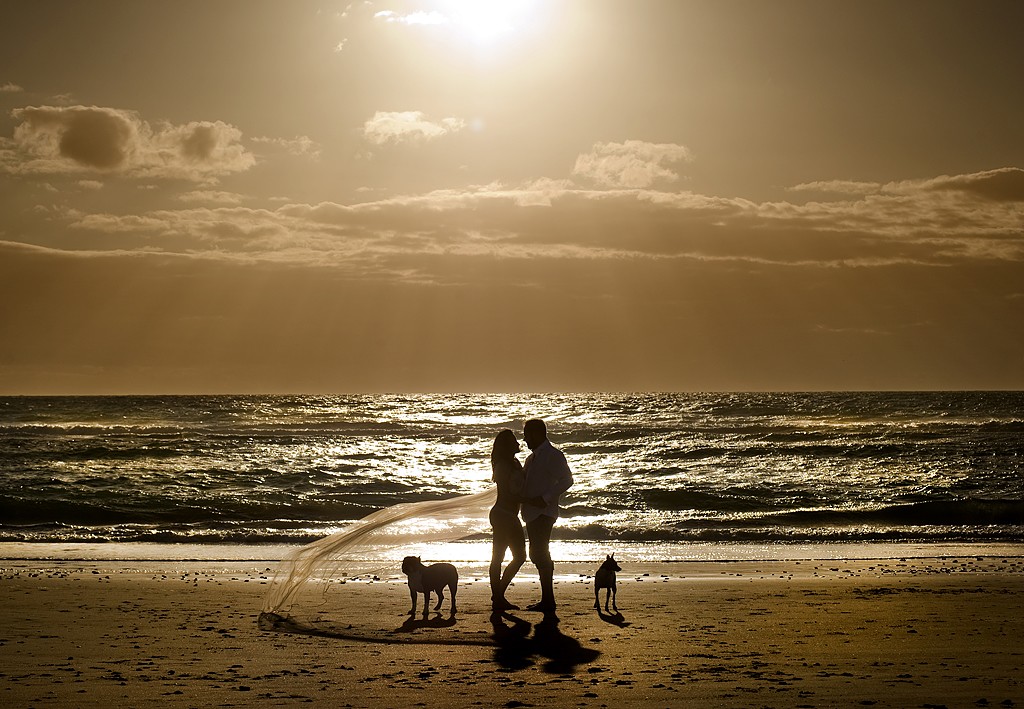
615	618
404	635
516	649
412	623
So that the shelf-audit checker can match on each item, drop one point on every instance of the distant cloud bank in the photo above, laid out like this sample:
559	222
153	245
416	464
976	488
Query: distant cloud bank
1001	185
926	223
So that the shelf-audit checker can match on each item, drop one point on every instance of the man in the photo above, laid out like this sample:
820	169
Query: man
547	477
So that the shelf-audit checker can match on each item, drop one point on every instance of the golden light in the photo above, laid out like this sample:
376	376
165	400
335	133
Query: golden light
485	21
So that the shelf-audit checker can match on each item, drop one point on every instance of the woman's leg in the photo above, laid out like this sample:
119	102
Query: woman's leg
516	541
498	547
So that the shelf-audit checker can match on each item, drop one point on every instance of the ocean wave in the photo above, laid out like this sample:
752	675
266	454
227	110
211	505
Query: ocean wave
673	467
934	512
591	533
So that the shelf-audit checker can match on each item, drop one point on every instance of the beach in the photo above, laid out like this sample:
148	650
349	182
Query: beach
894	632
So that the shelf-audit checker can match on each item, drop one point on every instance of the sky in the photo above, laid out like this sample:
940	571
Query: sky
246	196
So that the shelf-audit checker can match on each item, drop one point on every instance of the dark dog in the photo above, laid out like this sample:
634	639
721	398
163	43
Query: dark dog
605	578
429	579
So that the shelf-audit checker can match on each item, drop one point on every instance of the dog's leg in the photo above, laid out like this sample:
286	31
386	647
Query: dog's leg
426	603
453	589
412	594
614	592
597	597
440	598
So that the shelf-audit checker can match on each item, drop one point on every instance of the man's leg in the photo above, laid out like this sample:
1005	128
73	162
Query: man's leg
539	532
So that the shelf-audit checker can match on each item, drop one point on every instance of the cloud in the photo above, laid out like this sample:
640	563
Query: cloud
75	139
848	187
459	235
412	18
96	138
90	184
1002	185
232	232
10	88
480	20
633	163
212	196
408	126
299	145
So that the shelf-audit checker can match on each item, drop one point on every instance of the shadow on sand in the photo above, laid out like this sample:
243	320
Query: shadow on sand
615	618
438	621
403	635
516	649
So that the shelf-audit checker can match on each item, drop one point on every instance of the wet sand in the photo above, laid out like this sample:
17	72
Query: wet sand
926	632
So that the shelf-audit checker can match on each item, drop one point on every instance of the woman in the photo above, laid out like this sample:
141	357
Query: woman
507	530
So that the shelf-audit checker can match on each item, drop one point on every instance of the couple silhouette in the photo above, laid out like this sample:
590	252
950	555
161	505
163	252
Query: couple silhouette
531	493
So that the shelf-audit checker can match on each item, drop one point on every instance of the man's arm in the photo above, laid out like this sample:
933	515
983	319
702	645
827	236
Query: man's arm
551	470
559	477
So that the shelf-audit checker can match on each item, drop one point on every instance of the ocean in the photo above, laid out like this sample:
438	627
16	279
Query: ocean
652	471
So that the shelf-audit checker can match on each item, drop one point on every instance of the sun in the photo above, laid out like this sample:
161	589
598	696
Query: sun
486	21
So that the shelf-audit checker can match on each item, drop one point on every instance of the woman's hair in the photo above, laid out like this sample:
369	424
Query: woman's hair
505	445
